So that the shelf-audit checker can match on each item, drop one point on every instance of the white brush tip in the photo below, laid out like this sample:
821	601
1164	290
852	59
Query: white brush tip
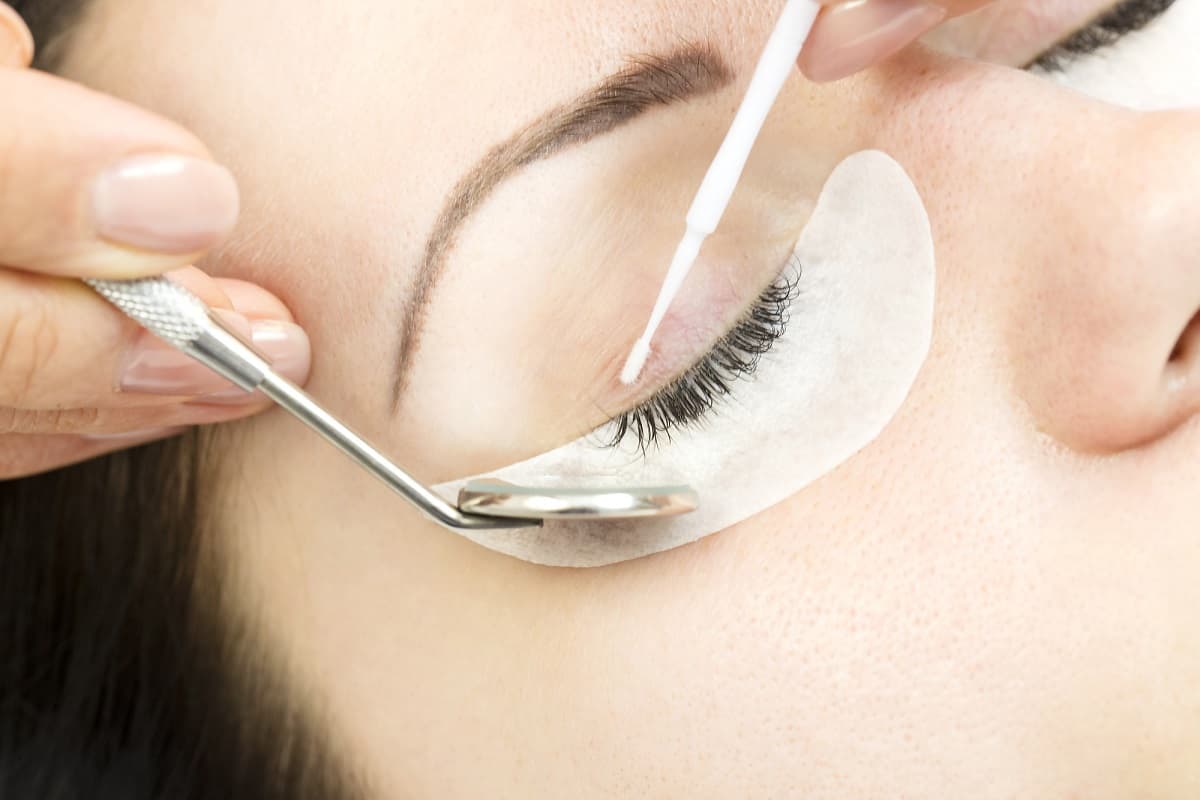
635	362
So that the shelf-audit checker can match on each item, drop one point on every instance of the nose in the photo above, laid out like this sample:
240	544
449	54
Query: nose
1071	227
1105	327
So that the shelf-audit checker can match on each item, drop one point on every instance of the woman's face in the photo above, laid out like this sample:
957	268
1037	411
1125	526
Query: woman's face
997	597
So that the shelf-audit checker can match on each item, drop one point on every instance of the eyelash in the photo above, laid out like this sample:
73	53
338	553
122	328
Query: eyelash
689	399
1124	18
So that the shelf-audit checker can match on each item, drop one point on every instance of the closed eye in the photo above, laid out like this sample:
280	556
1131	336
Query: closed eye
690	399
1124	18
695	396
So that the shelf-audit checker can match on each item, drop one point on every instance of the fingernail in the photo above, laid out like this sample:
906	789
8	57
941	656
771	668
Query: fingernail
858	33
284	344
154	367
168	204
254	301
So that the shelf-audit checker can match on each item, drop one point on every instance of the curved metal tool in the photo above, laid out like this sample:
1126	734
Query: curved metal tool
500	498
181	319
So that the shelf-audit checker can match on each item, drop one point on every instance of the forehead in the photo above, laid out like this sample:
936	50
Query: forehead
348	123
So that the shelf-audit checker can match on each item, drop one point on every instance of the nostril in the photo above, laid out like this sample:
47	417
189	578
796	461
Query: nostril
1188	341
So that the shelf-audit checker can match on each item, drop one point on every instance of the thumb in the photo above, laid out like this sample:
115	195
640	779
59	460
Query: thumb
91	186
853	35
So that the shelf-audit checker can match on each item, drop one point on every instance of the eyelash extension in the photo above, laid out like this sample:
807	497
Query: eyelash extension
1124	18
692	396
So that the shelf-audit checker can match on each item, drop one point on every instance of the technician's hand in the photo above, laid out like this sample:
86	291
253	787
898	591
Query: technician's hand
90	186
851	35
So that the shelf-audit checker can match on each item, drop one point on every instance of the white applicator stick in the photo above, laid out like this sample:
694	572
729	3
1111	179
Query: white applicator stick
774	66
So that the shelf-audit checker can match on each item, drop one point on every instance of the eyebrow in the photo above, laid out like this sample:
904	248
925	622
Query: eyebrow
646	82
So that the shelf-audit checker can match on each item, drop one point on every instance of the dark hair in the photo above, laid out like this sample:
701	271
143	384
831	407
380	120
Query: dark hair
123	673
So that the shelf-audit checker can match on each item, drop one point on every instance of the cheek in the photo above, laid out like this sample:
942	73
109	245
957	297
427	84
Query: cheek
874	643
789	648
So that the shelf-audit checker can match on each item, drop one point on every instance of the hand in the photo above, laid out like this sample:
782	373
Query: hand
93	187
851	35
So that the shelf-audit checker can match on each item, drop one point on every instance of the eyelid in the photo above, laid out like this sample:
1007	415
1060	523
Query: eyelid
693	396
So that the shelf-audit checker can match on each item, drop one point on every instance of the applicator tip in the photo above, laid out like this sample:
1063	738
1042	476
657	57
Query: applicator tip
635	362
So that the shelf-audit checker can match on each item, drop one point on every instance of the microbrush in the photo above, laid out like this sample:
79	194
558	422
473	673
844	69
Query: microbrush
774	66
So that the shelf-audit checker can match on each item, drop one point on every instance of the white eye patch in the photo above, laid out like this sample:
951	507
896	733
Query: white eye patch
860	330
1155	68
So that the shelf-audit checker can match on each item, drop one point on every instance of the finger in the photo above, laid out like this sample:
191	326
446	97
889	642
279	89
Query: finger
210	290
63	346
16	42
853	35
94	187
226	406
23	456
252	302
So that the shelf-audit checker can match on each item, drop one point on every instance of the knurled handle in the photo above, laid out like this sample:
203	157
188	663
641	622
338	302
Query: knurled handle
181	319
162	307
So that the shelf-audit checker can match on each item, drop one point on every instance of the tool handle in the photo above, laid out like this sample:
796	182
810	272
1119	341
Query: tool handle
179	318
777	63
166	309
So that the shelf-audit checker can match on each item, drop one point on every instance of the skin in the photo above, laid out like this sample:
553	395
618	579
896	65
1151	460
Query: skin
76	379
995	599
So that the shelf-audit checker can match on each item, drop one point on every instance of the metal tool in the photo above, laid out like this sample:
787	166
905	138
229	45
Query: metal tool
181	319
491	496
